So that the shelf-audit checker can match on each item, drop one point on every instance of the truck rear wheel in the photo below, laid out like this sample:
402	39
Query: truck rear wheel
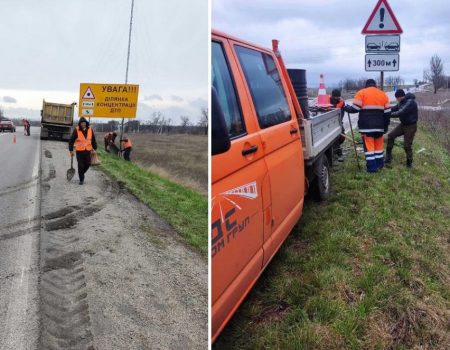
322	182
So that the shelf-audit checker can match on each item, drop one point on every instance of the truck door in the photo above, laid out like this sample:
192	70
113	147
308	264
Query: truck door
237	177
280	136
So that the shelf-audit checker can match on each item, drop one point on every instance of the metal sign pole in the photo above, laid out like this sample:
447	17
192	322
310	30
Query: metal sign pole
382	80
128	64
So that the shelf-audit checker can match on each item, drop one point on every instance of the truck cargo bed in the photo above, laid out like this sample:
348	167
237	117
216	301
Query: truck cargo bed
319	131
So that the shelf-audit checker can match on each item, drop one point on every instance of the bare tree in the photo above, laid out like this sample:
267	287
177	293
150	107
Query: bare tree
396	80
113	125
353	84
155	121
133	126
203	122
437	72
185	123
168	125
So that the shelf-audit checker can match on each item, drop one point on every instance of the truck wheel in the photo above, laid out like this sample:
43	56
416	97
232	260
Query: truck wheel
322	183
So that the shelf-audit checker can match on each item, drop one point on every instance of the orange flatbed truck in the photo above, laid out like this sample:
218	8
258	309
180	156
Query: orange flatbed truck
265	156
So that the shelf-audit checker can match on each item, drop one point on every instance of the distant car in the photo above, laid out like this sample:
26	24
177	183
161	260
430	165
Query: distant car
392	47
7	125
373	46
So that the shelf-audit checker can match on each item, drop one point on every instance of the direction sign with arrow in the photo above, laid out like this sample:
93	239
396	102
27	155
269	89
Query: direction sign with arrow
382	62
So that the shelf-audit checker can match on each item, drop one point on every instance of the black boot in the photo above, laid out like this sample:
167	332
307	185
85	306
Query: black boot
388	158
340	155
409	163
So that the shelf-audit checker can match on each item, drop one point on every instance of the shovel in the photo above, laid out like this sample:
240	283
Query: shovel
71	171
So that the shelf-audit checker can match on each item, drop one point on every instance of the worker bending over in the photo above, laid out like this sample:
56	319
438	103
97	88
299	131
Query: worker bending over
338	102
83	139
109	138
374	110
126	148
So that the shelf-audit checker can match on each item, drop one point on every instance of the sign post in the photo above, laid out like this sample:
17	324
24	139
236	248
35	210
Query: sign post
383	48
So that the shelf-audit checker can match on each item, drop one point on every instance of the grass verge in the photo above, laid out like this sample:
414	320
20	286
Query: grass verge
369	269
183	208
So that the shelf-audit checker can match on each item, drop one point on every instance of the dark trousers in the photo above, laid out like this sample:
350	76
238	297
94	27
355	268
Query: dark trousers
84	162
126	154
408	132
106	145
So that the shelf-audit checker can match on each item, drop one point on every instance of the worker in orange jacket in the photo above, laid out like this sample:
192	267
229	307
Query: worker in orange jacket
374	110
338	102
126	148
109	138
83	139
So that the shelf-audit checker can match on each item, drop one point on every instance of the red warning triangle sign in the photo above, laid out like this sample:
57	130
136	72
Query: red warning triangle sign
382	20
88	94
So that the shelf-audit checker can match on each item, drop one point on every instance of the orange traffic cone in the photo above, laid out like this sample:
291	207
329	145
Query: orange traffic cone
14	138
322	99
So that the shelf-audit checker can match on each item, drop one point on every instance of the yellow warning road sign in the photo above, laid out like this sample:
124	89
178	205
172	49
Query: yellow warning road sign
108	100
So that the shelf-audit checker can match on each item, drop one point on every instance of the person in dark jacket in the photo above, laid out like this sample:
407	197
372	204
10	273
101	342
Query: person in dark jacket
374	110
83	140
407	111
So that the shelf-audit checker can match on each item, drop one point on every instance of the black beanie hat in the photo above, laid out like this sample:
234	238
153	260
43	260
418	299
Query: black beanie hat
336	93
370	82
400	93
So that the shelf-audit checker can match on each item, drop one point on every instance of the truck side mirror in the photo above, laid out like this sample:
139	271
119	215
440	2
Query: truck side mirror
220	139
42	112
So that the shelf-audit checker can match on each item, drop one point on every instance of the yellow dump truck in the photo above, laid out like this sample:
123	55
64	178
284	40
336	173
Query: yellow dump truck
57	120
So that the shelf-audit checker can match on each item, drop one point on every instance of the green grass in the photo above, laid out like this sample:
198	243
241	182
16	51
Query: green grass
373	271
183	208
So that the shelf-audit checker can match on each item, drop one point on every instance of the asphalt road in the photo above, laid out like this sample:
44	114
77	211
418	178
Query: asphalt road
19	239
113	274
89	267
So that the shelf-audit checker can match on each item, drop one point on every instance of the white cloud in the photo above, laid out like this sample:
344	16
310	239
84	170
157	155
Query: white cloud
9	99
325	36
53	46
177	98
153	97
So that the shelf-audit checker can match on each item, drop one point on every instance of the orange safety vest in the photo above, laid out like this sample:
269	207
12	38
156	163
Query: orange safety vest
83	143
126	144
340	104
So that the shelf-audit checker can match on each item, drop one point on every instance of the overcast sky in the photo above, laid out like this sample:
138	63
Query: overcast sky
49	47
324	36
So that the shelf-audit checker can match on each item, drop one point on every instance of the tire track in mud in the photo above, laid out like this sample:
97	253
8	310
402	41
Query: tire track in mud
65	318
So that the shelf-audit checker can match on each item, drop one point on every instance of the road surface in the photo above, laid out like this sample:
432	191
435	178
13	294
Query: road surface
89	267
19	240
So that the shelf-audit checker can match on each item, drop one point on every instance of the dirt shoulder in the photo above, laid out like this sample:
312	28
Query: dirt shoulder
114	275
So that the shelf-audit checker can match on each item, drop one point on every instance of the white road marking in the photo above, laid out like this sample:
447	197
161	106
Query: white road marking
16	315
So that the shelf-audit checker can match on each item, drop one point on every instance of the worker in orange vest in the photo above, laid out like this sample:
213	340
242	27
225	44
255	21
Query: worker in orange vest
83	139
109	138
374	110
338	102
126	148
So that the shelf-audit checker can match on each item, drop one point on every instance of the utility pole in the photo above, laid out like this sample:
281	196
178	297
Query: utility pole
128	64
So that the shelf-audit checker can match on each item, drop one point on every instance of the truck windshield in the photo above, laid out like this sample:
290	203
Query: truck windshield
265	87
223	83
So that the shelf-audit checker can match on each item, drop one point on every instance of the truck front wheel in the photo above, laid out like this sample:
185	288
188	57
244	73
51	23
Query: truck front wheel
322	183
